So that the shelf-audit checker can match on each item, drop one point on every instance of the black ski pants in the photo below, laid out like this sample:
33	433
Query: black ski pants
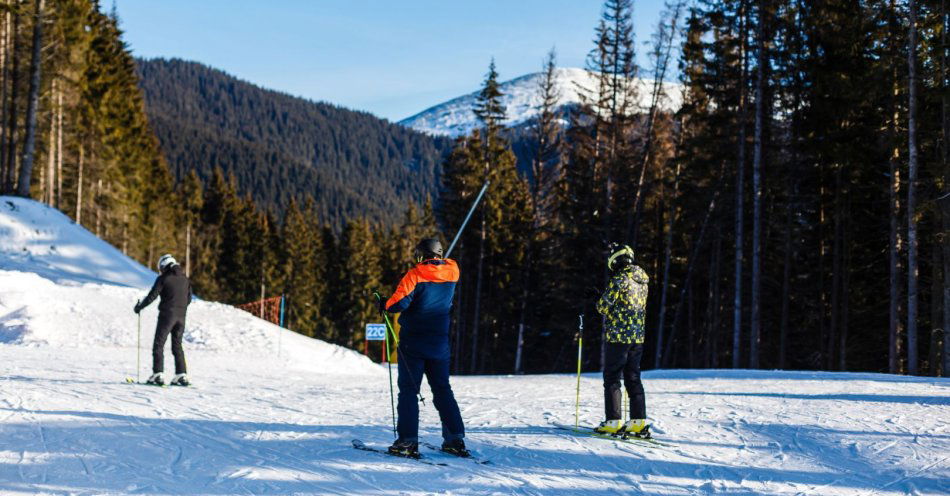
623	359
169	322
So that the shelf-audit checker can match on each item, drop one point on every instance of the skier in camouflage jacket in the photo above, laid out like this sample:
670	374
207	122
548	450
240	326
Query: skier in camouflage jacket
623	305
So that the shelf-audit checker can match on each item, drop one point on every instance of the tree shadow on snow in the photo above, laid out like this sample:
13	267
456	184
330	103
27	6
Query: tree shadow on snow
877	398
115	453
788	375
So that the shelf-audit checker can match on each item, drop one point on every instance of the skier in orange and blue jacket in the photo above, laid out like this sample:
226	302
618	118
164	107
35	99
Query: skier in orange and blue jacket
424	300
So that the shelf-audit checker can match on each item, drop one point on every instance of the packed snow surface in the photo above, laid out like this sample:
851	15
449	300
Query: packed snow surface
522	100
273	412
68	425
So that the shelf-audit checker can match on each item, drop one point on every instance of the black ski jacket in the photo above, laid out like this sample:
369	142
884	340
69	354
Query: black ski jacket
175	290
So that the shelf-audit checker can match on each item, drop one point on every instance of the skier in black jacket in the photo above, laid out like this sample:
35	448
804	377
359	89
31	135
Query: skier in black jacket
175	290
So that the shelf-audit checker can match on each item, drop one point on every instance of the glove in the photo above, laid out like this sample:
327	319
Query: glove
381	306
136	308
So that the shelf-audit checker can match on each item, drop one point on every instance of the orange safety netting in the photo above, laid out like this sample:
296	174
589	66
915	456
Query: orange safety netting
267	309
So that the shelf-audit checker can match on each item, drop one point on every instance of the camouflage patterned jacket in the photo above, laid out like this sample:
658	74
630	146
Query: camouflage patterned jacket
623	305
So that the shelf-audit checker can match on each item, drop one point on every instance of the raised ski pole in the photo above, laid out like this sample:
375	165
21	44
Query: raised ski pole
577	396
138	346
389	364
467	217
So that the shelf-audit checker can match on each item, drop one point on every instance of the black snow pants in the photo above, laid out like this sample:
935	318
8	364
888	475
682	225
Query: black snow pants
169	322
625	359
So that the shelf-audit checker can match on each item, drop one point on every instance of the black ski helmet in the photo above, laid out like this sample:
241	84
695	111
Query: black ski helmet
428	248
620	257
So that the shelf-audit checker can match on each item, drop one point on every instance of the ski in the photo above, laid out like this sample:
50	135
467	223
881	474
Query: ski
589	431
468	454
129	380
360	445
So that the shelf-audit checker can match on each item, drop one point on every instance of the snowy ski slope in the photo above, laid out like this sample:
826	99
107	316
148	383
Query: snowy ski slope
259	423
62	286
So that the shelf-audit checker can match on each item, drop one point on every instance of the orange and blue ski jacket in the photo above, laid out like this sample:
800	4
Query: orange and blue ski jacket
424	299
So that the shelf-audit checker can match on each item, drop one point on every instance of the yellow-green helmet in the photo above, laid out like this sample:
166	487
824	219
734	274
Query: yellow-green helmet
621	257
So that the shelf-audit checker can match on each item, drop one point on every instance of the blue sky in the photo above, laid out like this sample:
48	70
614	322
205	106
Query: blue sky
392	58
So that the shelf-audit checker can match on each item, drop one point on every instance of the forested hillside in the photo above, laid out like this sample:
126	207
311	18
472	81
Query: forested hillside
73	131
793	213
281	147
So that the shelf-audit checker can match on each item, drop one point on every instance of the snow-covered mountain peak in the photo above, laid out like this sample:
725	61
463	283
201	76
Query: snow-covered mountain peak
456	117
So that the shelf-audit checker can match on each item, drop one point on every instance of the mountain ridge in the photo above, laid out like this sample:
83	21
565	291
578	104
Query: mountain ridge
280	146
455	117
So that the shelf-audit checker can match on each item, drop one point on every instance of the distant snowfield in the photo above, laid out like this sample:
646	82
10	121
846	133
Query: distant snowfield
522	100
264	419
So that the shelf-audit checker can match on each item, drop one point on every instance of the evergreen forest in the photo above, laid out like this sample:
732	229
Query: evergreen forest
794	213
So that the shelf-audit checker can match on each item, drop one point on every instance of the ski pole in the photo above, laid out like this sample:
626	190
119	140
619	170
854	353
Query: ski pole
138	346
577	397
389	365
389	328
467	217
392	331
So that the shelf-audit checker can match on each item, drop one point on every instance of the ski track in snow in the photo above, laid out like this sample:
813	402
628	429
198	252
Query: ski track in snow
256	427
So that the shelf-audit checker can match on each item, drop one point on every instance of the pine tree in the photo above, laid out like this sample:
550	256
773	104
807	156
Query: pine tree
488	107
360	278
303	274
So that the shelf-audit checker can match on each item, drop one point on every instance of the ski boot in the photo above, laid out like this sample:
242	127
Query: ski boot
456	447
638	428
180	380
408	449
612	427
155	379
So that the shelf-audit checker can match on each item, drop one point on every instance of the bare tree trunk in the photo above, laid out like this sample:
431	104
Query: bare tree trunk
50	192
786	291
708	334
936	305
4	77
95	201
740	175
756	321
944	203
125	235
946	276
691	325
79	180
459	325
29	142
667	261
712	316
523	311
12	110
845	293
894	247
59	148
478	296
835	274
911	191
187	249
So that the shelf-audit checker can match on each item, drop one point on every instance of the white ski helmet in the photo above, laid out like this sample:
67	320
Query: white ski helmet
166	261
